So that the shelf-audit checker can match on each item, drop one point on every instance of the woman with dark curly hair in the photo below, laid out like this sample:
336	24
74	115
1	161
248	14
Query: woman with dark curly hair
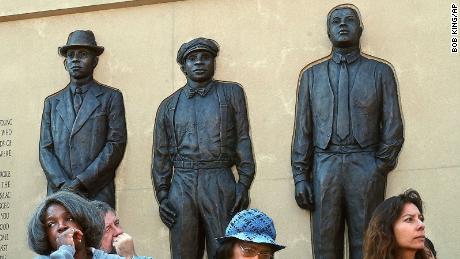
66	226
396	229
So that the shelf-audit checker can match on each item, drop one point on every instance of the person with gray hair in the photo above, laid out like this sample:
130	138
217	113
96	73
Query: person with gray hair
114	239
66	226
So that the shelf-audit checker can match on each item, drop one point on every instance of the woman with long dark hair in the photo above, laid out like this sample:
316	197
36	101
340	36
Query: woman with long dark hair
397	229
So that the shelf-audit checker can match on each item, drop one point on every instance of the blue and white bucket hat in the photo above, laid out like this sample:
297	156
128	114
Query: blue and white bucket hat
254	226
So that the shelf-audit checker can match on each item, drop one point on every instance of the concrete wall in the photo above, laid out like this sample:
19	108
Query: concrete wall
264	45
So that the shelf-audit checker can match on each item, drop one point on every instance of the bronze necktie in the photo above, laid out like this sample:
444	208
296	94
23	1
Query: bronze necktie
77	99
343	113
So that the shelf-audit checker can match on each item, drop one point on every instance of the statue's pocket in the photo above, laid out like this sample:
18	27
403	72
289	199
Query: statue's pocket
380	166
98	114
99	118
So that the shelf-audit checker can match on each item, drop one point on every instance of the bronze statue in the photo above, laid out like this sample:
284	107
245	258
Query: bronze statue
347	137
83	129
201	131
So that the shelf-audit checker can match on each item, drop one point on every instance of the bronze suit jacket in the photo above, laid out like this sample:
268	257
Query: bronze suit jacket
374	113
89	145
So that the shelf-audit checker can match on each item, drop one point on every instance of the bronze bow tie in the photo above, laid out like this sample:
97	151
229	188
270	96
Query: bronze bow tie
193	91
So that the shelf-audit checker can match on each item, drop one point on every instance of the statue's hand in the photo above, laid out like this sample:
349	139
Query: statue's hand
241	199
67	187
75	186
304	195
384	166
167	214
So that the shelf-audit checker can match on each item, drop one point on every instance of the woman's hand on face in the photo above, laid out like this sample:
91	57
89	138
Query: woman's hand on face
70	236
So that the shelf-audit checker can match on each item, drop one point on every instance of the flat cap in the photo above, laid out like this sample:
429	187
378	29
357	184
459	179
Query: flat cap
208	45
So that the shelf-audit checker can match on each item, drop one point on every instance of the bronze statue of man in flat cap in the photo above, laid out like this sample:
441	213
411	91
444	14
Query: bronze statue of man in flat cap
83	128
201	131
347	137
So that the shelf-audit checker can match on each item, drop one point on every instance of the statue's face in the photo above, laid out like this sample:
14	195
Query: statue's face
344	29
80	62
199	66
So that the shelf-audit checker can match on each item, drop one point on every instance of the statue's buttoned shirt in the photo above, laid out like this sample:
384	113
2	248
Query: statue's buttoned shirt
196	124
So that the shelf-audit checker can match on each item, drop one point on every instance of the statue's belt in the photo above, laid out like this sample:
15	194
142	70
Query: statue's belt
202	164
346	149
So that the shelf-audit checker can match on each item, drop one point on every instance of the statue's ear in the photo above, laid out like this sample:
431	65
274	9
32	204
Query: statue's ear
182	68
95	61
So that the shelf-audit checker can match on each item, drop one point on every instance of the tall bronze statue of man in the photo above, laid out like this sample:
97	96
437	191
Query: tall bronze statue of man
201	131
347	137
83	129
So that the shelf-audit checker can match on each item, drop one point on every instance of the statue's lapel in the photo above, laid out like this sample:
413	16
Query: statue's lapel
90	103
65	108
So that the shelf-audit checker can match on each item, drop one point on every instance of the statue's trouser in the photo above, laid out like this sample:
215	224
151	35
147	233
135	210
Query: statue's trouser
347	188
202	199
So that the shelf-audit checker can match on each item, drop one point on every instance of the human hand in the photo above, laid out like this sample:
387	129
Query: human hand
304	195
167	214
241	199
124	245
70	236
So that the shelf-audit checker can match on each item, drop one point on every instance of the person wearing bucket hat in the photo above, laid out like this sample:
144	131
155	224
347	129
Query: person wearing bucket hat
250	234
83	128
201	131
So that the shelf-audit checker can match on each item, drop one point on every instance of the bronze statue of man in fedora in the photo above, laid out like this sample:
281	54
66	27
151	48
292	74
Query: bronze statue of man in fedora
83	128
347	137
201	131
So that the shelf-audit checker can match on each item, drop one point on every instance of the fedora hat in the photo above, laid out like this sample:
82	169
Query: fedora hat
83	39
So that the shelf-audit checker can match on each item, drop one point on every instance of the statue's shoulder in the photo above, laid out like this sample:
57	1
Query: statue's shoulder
378	63
57	95
230	90
172	98
228	86
319	64
106	88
